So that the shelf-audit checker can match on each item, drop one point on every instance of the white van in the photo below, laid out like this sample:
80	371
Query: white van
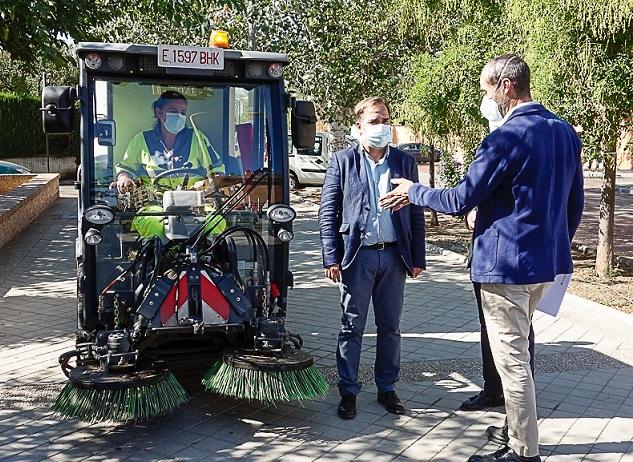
308	166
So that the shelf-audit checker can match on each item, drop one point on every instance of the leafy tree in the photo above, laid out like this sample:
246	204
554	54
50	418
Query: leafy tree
582	58
340	51
582	68
20	77
32	29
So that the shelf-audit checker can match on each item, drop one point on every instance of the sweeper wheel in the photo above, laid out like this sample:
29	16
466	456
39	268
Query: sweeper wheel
94	396
245	374
92	378
289	360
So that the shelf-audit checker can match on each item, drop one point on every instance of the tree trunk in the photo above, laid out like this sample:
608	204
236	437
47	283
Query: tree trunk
434	221
252	26
338	130
604	256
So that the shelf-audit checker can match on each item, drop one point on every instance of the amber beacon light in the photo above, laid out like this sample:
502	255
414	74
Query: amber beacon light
219	39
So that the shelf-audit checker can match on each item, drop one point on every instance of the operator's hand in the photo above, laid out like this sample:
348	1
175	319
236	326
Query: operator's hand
470	219
416	272
334	273
123	183
200	185
399	197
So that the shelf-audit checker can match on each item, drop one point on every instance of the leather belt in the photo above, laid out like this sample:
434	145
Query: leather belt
381	245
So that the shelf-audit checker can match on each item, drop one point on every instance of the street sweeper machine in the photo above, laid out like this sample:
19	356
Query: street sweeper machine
184	227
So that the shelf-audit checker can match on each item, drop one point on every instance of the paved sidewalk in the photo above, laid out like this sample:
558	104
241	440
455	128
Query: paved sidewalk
584	373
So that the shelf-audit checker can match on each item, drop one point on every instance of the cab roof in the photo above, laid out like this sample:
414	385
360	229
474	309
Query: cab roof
141	49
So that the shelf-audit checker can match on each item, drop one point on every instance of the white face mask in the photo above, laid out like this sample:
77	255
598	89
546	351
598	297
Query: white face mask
494	125
376	136
490	110
174	122
489	107
353	132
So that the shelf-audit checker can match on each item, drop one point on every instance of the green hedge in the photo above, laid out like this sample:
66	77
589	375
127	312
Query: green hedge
21	133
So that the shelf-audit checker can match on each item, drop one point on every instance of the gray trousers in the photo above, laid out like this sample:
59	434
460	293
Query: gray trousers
508	311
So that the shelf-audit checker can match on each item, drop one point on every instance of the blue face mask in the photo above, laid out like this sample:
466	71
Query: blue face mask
376	136
174	122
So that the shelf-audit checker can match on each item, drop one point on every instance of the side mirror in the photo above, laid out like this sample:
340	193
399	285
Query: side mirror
105	132
303	124
58	111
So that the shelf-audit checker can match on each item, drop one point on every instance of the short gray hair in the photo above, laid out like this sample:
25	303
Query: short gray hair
512	67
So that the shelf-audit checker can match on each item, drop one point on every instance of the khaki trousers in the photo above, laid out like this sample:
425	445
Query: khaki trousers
508	310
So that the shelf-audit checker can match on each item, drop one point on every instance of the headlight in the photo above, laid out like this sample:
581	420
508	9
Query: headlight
256	70
281	213
275	70
285	236
99	215
93	60
93	237
115	62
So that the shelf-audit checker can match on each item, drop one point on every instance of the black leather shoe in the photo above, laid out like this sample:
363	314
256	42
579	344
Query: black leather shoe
503	454
347	407
481	401
391	402
498	435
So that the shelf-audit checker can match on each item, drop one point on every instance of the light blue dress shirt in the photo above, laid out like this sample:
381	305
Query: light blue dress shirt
379	225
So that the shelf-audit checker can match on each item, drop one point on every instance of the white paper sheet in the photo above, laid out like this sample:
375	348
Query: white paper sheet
553	297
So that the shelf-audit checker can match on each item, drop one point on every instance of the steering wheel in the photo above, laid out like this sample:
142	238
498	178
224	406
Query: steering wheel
184	171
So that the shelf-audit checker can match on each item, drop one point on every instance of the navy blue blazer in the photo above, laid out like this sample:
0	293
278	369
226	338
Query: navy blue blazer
527	183
345	208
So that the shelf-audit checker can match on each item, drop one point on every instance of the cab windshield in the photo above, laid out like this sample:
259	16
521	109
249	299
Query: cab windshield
167	157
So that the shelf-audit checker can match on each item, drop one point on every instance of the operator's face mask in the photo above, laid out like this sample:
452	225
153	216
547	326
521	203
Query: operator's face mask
376	136
174	122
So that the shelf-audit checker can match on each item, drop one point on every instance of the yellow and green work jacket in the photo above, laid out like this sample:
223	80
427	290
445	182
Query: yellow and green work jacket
146	156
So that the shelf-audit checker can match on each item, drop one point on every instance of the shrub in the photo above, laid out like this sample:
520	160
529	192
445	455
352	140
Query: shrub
21	133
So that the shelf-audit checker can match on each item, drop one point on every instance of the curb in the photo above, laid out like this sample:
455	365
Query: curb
446	253
624	190
622	261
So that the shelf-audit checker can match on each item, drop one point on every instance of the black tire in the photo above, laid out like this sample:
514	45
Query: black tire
293	182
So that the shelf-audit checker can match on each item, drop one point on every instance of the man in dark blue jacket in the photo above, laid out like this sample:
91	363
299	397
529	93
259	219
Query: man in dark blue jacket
369	250
527	183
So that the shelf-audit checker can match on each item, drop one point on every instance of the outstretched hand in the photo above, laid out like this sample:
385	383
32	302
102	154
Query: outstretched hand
399	197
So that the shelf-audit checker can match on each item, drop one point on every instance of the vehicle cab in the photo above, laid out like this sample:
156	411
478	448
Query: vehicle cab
179	145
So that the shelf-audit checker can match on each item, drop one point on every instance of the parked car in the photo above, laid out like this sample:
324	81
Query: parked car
10	167
420	152
308	166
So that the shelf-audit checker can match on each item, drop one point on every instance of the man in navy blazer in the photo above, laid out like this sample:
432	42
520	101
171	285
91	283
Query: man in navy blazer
527	183
369	251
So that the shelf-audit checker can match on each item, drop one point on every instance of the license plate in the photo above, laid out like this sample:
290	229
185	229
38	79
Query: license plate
190	57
